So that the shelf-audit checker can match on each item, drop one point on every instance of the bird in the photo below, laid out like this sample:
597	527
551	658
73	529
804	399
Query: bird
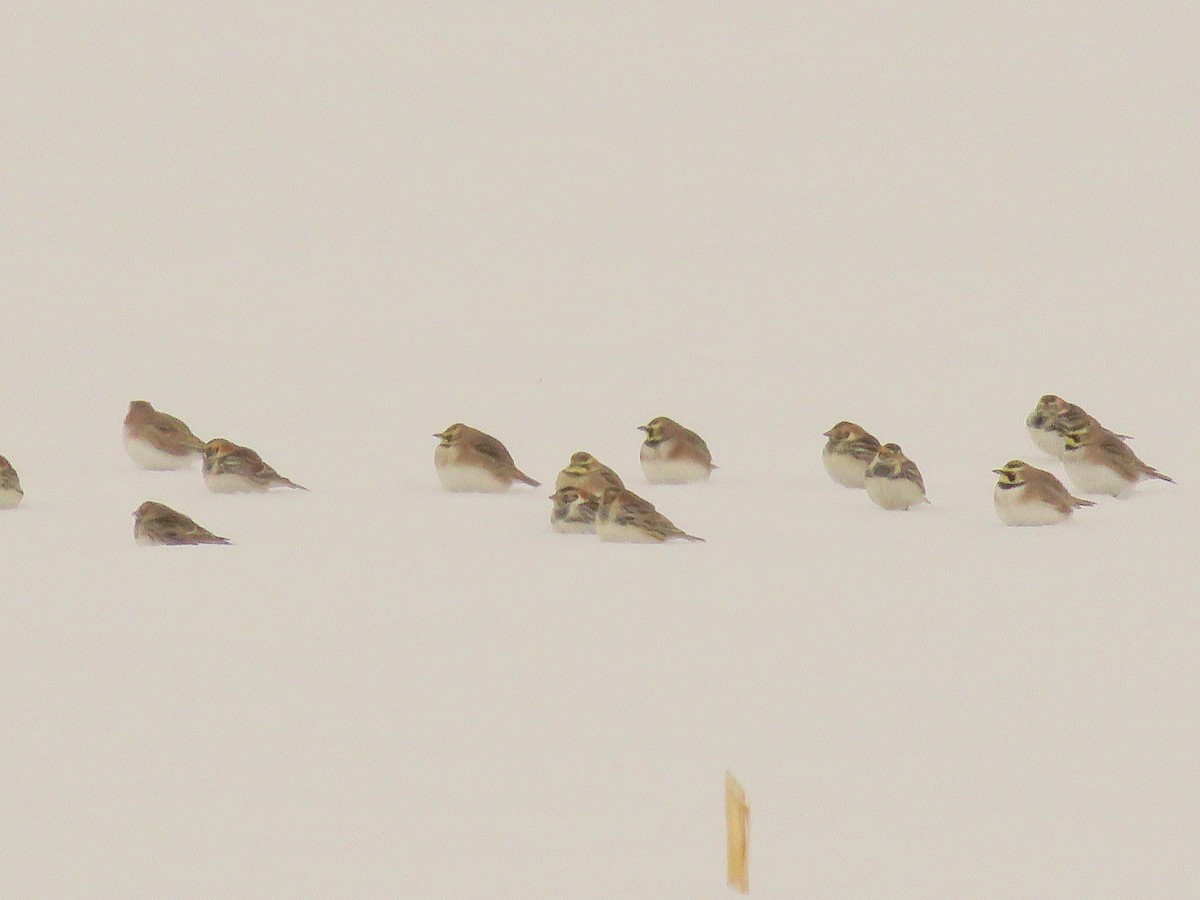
624	516
893	480
672	454
586	472
574	511
1099	462
232	469
156	523
10	485
1026	495
848	452
155	440
1052	419
466	459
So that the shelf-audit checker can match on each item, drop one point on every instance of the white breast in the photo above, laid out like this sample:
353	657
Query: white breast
564	526
9	498
229	483
1050	442
1090	478
627	534
148	456
1014	509
893	493
845	468
457	477
660	470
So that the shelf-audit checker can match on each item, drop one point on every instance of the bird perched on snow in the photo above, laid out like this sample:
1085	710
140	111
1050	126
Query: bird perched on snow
10	485
672	454
155	440
466	459
587	473
155	523
848	452
1052	419
233	469
574	511
1099	462
626	517
893	480
1025	495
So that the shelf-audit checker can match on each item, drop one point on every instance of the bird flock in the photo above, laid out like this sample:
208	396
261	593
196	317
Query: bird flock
590	497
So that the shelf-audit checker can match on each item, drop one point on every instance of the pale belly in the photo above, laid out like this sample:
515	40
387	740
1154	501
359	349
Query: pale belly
894	493
627	534
9	498
1050	442
660	470
565	526
227	483
148	456
845	469
1089	478
1013	511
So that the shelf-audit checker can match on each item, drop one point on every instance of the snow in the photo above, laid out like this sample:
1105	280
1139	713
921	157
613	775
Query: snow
328	234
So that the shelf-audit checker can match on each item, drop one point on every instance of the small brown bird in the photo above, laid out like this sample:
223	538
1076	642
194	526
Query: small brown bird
624	516
1052	419
672	454
233	469
574	511
1025	495
10	485
1099	462
155	523
893	480
466	459
587	473
848	453
155	440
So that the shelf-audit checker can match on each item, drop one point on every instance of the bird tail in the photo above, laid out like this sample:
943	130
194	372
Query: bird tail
692	537
1154	473
1078	502
287	482
520	476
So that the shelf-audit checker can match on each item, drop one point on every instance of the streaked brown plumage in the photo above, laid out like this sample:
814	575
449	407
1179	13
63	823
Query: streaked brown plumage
1026	495
672	454
624	516
156	440
574	511
156	523
231	468
848	452
467	459
10	485
586	472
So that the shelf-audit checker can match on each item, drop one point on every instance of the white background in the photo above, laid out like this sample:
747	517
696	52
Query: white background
328	233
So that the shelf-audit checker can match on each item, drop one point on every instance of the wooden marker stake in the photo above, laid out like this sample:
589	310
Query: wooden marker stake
737	835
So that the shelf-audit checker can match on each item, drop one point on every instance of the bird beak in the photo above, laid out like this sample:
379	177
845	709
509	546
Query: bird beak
441	436
828	433
643	428
998	471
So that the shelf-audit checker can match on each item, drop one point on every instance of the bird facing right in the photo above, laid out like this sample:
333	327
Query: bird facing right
1025	495
672	454
625	517
10	485
893	480
155	440
848	453
156	523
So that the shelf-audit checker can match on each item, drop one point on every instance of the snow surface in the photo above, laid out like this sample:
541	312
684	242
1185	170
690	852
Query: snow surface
327	233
